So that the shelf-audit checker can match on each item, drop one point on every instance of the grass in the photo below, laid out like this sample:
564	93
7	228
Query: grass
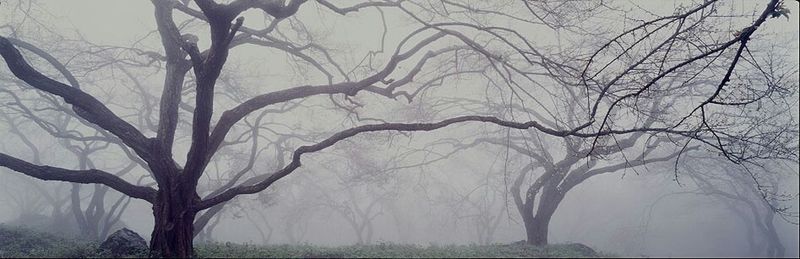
18	242
384	250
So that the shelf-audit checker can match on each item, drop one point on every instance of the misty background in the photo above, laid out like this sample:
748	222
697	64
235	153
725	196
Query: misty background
416	188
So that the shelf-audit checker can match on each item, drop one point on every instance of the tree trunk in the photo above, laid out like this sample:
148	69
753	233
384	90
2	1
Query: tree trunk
174	225
536	230
77	212
537	226
775	247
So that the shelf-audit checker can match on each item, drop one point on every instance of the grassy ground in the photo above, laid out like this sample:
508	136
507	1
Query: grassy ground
17	242
391	250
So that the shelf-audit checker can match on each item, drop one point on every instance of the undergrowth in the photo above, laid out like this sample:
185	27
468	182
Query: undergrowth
20	242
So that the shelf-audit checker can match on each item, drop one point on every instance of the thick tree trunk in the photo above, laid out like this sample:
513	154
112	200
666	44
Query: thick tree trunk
174	225
536	231
537	226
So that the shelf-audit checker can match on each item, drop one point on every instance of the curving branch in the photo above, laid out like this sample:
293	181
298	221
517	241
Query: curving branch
49	173
357	7
84	105
295	163
232	116
207	70
176	68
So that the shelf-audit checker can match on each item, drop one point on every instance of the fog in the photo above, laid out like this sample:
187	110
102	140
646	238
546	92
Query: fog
412	122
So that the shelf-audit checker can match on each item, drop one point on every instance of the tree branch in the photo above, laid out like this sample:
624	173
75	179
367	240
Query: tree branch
288	169
85	105
49	173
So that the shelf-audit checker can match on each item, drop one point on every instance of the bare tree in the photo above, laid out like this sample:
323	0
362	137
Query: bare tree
96	221
32	198
482	209
734	186
451	40
548	173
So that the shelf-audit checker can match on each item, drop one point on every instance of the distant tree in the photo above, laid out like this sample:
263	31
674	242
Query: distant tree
30	197
490	43
96	220
481	208
757	208
551	169
550	166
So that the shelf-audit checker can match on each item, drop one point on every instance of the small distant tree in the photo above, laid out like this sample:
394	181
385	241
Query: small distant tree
758	208
480	209
95	217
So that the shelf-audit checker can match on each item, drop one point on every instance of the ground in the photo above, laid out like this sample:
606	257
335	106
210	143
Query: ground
20	242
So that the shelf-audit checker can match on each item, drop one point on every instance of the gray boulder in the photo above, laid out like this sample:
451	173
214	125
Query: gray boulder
124	243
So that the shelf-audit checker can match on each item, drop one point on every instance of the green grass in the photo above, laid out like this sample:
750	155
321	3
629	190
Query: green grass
18	242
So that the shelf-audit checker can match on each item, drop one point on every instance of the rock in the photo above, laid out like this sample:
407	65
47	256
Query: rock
124	243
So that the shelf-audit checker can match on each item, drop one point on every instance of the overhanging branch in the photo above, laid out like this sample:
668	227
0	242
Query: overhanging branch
85	105
49	173
288	169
